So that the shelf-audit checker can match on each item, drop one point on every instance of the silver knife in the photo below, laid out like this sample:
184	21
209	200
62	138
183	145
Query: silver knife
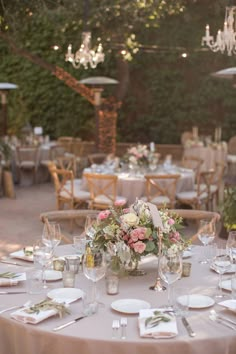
13	263
12	292
68	323
188	327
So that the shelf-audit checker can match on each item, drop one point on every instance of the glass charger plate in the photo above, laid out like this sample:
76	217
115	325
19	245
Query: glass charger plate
131	306
200	301
67	294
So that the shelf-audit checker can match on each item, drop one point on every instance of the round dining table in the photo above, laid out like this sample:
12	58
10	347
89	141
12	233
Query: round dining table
132	185
93	334
209	154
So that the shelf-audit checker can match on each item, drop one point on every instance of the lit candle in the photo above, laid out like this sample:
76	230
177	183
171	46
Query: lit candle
69	52
207	31
152	147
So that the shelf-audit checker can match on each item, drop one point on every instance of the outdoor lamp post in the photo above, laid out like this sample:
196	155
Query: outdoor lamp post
4	88
105	130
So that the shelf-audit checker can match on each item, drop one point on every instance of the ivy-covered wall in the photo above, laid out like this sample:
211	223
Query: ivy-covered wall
166	94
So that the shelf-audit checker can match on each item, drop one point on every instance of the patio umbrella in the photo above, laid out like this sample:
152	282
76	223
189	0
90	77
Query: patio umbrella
229	73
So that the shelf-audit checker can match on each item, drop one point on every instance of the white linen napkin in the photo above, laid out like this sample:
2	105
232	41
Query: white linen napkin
8	282
12	281
33	318
162	330
23	316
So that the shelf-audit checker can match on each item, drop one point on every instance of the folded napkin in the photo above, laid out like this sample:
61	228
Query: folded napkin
10	279
42	311
8	282
149	326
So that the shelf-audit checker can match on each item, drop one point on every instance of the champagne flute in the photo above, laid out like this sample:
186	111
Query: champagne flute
51	236
170	270
89	222
94	268
43	256
206	235
221	264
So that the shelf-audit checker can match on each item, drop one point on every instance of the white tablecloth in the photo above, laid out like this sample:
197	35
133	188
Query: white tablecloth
132	187
93	335
210	155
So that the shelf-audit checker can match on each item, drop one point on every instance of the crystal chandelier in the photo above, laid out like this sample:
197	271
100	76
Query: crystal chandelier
85	55
226	39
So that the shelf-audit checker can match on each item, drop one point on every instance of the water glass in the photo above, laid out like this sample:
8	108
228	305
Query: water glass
206	235
34	281
112	284
231	246
72	263
68	278
181	304
79	243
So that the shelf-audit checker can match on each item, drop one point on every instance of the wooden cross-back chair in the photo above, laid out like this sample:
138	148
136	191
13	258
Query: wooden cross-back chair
196	216
194	163
63	217
67	162
67	192
161	189
103	190
97	158
27	159
201	194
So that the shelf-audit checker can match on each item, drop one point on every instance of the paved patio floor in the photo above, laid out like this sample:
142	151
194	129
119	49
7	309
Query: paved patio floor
19	218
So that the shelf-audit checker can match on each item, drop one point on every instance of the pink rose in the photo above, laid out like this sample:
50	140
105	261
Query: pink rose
138	234
139	247
171	221
104	214
126	210
120	202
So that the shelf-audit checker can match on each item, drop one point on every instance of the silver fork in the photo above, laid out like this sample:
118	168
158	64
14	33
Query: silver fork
215	318
123	324
115	328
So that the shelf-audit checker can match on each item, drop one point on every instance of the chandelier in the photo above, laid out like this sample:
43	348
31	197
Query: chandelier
85	55
226	39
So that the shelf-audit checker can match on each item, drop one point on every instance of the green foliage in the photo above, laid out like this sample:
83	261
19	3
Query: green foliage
166	93
229	208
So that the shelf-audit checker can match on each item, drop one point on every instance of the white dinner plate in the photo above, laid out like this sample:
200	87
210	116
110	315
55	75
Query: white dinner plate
51	275
187	254
229	304
131	306
65	294
200	301
232	269
21	255
226	285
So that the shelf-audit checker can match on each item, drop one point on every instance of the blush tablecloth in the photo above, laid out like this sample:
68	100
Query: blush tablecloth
93	335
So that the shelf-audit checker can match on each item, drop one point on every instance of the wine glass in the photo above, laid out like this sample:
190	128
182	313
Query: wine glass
206	235
51	235
94	268
221	263
42	256
231	246
170	270
89	222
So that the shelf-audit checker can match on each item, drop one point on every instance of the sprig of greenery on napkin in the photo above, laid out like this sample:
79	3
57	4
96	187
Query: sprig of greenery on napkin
46	304
9	275
157	317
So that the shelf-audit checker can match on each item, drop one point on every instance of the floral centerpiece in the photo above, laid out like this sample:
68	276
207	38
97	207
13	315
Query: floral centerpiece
137	155
127	234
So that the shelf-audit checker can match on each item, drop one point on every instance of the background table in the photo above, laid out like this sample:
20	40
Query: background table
209	155
93	334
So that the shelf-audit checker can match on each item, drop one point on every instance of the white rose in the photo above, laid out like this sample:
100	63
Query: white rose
131	219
